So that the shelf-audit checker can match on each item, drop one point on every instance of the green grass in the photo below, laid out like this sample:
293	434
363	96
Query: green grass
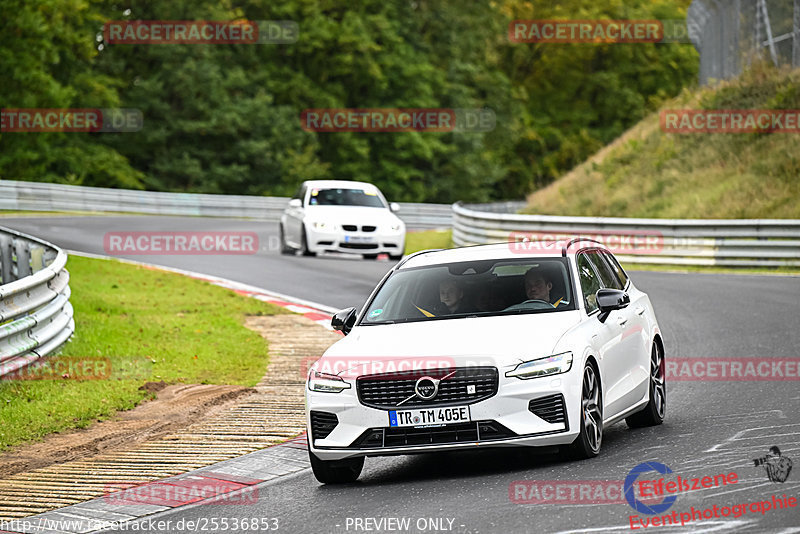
648	173
185	330
416	241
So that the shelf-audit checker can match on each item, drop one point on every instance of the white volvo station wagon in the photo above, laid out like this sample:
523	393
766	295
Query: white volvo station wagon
485	346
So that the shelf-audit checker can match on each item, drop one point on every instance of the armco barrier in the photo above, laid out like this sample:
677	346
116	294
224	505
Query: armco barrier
39	196
723	242
35	313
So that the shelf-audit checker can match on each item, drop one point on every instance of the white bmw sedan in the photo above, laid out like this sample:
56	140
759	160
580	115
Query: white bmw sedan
341	216
485	347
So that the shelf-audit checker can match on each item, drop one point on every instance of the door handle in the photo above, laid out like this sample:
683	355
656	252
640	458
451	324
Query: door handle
640	310
621	321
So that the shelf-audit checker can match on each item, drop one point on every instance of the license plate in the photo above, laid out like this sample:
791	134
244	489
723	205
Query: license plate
358	239
429	416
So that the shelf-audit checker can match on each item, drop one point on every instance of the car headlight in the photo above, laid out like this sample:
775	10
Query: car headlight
549	365
321	225
326	383
396	227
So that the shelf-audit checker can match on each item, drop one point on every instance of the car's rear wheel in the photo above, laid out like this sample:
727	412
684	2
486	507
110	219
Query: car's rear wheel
336	471
285	248
590	438
304	245
655	410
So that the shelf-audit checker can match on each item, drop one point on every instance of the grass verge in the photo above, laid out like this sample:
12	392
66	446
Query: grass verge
416	241
184	330
652	174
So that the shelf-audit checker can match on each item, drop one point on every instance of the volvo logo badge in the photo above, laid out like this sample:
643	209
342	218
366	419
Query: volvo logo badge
426	388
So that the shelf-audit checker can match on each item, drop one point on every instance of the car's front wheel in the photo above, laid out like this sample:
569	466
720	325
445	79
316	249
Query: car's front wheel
653	414
587	444
285	248
336	471
304	245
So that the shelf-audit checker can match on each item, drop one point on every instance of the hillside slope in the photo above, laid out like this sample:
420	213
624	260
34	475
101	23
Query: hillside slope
649	173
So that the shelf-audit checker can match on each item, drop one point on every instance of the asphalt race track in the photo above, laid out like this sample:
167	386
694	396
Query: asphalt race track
712	427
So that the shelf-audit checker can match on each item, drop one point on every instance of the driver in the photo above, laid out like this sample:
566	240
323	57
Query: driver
538	283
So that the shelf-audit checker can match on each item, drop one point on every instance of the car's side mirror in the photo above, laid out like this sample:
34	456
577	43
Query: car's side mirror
609	300
344	320
395	207
295	203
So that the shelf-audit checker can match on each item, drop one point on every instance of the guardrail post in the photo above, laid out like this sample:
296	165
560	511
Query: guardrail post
23	254
37	259
6	259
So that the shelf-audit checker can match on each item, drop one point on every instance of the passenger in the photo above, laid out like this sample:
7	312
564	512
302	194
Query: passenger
451	297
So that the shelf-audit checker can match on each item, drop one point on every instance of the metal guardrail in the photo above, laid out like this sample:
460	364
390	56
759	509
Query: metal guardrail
40	196
723	242
35	313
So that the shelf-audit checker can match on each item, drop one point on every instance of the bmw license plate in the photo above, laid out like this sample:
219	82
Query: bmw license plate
358	239
429	416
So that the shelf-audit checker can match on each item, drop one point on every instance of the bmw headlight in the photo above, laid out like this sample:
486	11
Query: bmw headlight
321	225
326	383
549	365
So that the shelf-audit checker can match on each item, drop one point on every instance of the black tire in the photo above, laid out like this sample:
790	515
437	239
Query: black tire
285	249
304	245
588	443
656	408
370	256
336	471
395	257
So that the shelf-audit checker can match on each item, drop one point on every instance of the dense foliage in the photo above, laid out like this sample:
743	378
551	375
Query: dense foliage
225	118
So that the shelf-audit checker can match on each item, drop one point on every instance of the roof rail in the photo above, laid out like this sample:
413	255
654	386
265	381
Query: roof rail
413	254
573	241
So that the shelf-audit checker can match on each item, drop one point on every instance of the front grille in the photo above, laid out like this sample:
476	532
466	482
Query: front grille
385	390
550	408
322	424
359	246
349	227
377	438
368	228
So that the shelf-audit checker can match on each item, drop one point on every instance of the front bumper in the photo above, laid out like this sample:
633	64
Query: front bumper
358	242
508	413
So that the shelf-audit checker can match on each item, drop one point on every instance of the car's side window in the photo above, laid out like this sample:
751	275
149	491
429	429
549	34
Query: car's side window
607	275
589	282
615	266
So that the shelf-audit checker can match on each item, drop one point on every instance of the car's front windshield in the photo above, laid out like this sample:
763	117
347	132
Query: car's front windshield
475	288
345	197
